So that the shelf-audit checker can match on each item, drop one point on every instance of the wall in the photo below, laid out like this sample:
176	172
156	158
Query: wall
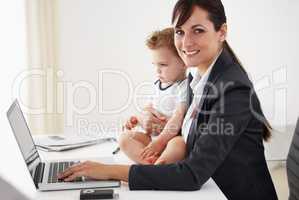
13	61
97	36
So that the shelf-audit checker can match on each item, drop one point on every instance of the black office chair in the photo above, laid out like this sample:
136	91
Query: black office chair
293	166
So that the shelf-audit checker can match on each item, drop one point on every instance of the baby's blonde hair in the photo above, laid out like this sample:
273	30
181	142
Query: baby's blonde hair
163	38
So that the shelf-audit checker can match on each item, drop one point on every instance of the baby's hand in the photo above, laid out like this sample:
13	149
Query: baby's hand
154	148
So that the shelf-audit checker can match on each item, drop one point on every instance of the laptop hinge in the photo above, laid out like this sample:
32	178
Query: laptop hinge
39	174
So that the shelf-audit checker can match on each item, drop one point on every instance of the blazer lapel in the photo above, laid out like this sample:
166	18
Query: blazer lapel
223	62
189	90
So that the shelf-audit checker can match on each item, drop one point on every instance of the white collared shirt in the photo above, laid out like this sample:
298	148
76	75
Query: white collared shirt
197	85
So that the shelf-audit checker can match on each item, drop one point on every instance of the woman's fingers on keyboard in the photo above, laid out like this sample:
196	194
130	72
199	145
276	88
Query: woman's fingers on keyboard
75	175
71	170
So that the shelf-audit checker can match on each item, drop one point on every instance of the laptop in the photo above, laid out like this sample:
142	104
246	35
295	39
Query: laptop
44	174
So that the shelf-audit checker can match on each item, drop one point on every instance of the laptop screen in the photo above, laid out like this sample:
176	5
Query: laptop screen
23	137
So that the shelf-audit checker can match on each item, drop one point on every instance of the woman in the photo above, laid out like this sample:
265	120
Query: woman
224	126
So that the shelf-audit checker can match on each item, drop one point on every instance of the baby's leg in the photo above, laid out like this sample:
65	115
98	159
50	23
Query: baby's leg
174	151
132	144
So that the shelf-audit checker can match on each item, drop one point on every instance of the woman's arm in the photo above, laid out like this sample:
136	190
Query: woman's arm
96	170
207	154
171	129
209	150
117	172
174	124
151	120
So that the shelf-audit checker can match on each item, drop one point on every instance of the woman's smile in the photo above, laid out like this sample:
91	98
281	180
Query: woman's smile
190	53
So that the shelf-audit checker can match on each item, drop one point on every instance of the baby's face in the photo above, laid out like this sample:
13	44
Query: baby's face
169	66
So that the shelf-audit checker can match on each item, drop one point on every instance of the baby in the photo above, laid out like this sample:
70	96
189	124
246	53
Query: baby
168	105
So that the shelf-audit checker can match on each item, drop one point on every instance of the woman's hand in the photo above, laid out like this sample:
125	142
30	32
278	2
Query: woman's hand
154	148
88	169
94	170
152	121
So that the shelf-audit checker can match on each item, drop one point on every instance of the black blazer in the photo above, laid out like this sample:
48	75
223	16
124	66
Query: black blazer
225	142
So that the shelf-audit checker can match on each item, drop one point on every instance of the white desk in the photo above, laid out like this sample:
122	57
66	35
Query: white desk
209	191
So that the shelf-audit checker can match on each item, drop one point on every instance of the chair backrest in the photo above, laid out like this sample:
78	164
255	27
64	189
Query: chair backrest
293	165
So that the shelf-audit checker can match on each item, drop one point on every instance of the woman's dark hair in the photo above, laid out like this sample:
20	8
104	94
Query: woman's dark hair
183	10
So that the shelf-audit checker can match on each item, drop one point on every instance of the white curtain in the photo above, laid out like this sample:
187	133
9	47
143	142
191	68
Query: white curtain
45	94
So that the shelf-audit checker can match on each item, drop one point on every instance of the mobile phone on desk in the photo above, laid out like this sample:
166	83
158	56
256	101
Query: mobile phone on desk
94	194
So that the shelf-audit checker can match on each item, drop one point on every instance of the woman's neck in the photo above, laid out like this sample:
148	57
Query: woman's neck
204	67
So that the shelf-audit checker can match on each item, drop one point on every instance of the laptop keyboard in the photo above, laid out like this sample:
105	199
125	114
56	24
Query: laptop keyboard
56	168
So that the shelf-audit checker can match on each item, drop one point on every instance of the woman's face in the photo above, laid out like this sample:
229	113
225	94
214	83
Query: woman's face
197	41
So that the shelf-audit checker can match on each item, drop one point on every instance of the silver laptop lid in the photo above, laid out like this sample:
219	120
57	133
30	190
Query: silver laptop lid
23	136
